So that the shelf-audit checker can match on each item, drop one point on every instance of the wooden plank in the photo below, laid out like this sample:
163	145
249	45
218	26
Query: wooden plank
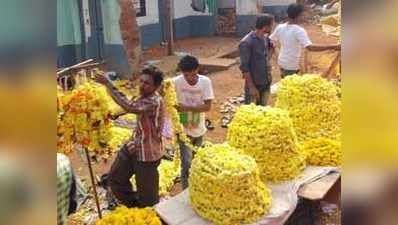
231	54
318	189
213	64
74	66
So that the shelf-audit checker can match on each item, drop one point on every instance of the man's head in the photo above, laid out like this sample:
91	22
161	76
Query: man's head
189	66
150	80
265	23
295	12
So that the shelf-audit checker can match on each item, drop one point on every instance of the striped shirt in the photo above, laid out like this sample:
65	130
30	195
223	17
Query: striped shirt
147	141
69	189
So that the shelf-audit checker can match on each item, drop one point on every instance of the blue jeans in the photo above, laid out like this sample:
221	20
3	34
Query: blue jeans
263	91
186	158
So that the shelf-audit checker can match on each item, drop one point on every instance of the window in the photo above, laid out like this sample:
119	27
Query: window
140	7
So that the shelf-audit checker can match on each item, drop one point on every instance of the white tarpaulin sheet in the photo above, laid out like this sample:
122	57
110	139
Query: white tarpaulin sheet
178	211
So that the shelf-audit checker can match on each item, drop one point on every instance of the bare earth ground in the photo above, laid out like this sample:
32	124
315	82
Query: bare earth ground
226	84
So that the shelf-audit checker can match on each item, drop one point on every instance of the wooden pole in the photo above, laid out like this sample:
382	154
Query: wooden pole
93	183
169	27
332	66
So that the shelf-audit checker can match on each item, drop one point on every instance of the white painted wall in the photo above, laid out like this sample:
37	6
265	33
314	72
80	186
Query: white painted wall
226	3
182	8
246	7
152	13
275	2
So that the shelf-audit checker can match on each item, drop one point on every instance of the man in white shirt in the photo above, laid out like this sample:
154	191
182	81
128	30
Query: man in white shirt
292	38
194	97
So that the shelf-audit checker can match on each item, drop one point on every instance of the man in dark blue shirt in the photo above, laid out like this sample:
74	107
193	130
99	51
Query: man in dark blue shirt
255	49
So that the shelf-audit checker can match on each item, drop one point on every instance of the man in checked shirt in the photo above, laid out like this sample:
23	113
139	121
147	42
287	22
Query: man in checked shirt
141	155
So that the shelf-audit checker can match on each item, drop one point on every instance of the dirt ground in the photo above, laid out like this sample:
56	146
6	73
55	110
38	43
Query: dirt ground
226	83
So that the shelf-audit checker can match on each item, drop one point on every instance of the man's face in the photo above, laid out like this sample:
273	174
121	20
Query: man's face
191	76
147	86
300	18
268	29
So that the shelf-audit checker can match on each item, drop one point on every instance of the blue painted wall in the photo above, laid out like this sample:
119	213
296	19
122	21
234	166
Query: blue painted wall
68	55
151	35
202	25
279	11
116	59
190	26
245	24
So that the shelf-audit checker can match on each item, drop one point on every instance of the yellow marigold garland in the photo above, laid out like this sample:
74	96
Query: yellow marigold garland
84	118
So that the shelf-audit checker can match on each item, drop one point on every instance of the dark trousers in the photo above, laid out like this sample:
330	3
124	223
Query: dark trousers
146	178
285	73
264	92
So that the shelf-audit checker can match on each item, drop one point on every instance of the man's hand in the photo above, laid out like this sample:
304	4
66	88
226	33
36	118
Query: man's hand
182	108
131	147
100	78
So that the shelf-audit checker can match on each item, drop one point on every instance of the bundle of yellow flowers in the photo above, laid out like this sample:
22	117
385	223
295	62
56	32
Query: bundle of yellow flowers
125	216
323	152
267	134
313	105
225	187
120	136
170	101
84	118
168	172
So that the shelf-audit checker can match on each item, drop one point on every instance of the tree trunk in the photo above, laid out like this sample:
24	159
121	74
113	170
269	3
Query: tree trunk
130	33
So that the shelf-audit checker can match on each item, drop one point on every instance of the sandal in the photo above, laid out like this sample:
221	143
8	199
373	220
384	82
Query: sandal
209	125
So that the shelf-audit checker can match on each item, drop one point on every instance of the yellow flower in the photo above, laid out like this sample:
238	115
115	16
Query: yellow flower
225	186
313	105
83	118
267	135
134	216
323	152
119	137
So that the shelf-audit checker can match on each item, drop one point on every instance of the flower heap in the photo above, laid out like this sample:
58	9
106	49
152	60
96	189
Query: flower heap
315	108
84	118
313	105
267	135
323	152
125	216
225	186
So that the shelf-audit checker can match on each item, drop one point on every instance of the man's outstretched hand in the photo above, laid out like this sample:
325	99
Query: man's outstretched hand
100	78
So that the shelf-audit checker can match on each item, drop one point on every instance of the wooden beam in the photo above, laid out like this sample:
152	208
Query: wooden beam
318	189
74	66
169	27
